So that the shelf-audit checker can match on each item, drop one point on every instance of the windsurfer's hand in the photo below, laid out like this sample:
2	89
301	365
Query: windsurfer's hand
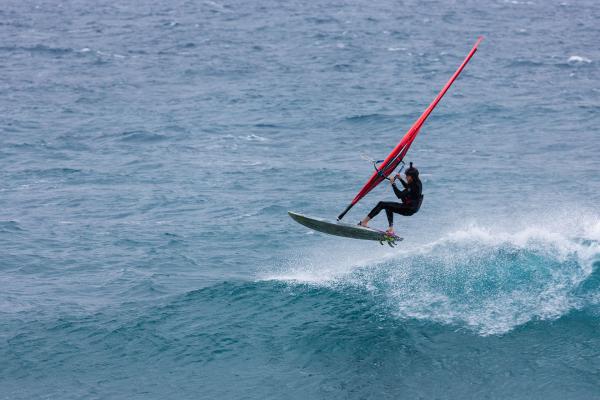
392	179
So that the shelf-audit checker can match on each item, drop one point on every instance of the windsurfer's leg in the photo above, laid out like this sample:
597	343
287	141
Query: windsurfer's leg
390	216
398	208
388	206
376	210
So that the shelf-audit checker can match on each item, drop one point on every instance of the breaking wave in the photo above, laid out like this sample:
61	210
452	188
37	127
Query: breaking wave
482	278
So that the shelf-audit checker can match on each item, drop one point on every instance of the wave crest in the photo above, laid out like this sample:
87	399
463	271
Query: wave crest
480	278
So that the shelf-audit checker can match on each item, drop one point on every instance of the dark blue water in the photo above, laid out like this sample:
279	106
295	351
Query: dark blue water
149	152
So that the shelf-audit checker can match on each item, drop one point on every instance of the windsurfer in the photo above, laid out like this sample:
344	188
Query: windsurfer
411	199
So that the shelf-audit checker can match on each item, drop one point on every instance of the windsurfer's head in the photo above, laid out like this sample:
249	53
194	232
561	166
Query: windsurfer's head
412	173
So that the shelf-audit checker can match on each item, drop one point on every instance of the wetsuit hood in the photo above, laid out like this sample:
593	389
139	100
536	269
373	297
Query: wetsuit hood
412	171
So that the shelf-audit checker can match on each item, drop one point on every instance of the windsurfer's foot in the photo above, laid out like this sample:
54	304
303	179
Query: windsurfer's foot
390	231
364	222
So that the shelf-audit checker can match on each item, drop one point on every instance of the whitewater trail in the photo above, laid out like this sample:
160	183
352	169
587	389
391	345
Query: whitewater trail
489	279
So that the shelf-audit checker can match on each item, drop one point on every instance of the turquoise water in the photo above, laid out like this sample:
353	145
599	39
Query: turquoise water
149	152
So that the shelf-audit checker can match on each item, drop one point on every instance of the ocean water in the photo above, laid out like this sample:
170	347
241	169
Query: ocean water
149	152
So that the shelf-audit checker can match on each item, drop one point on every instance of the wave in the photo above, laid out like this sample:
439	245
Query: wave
10	227
254	138
518	63
51	172
369	118
578	60
482	278
38	48
141	137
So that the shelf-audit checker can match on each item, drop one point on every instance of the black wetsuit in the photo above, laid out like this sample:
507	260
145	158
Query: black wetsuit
411	201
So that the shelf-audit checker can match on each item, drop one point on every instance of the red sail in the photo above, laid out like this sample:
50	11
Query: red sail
395	157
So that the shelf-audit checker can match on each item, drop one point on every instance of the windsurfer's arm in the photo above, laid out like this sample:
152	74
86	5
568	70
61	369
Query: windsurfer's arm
399	193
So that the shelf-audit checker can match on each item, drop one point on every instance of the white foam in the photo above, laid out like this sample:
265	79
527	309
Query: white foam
255	138
529	3
216	5
578	60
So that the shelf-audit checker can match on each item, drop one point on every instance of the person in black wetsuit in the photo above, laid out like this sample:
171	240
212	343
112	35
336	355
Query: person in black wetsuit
411	198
